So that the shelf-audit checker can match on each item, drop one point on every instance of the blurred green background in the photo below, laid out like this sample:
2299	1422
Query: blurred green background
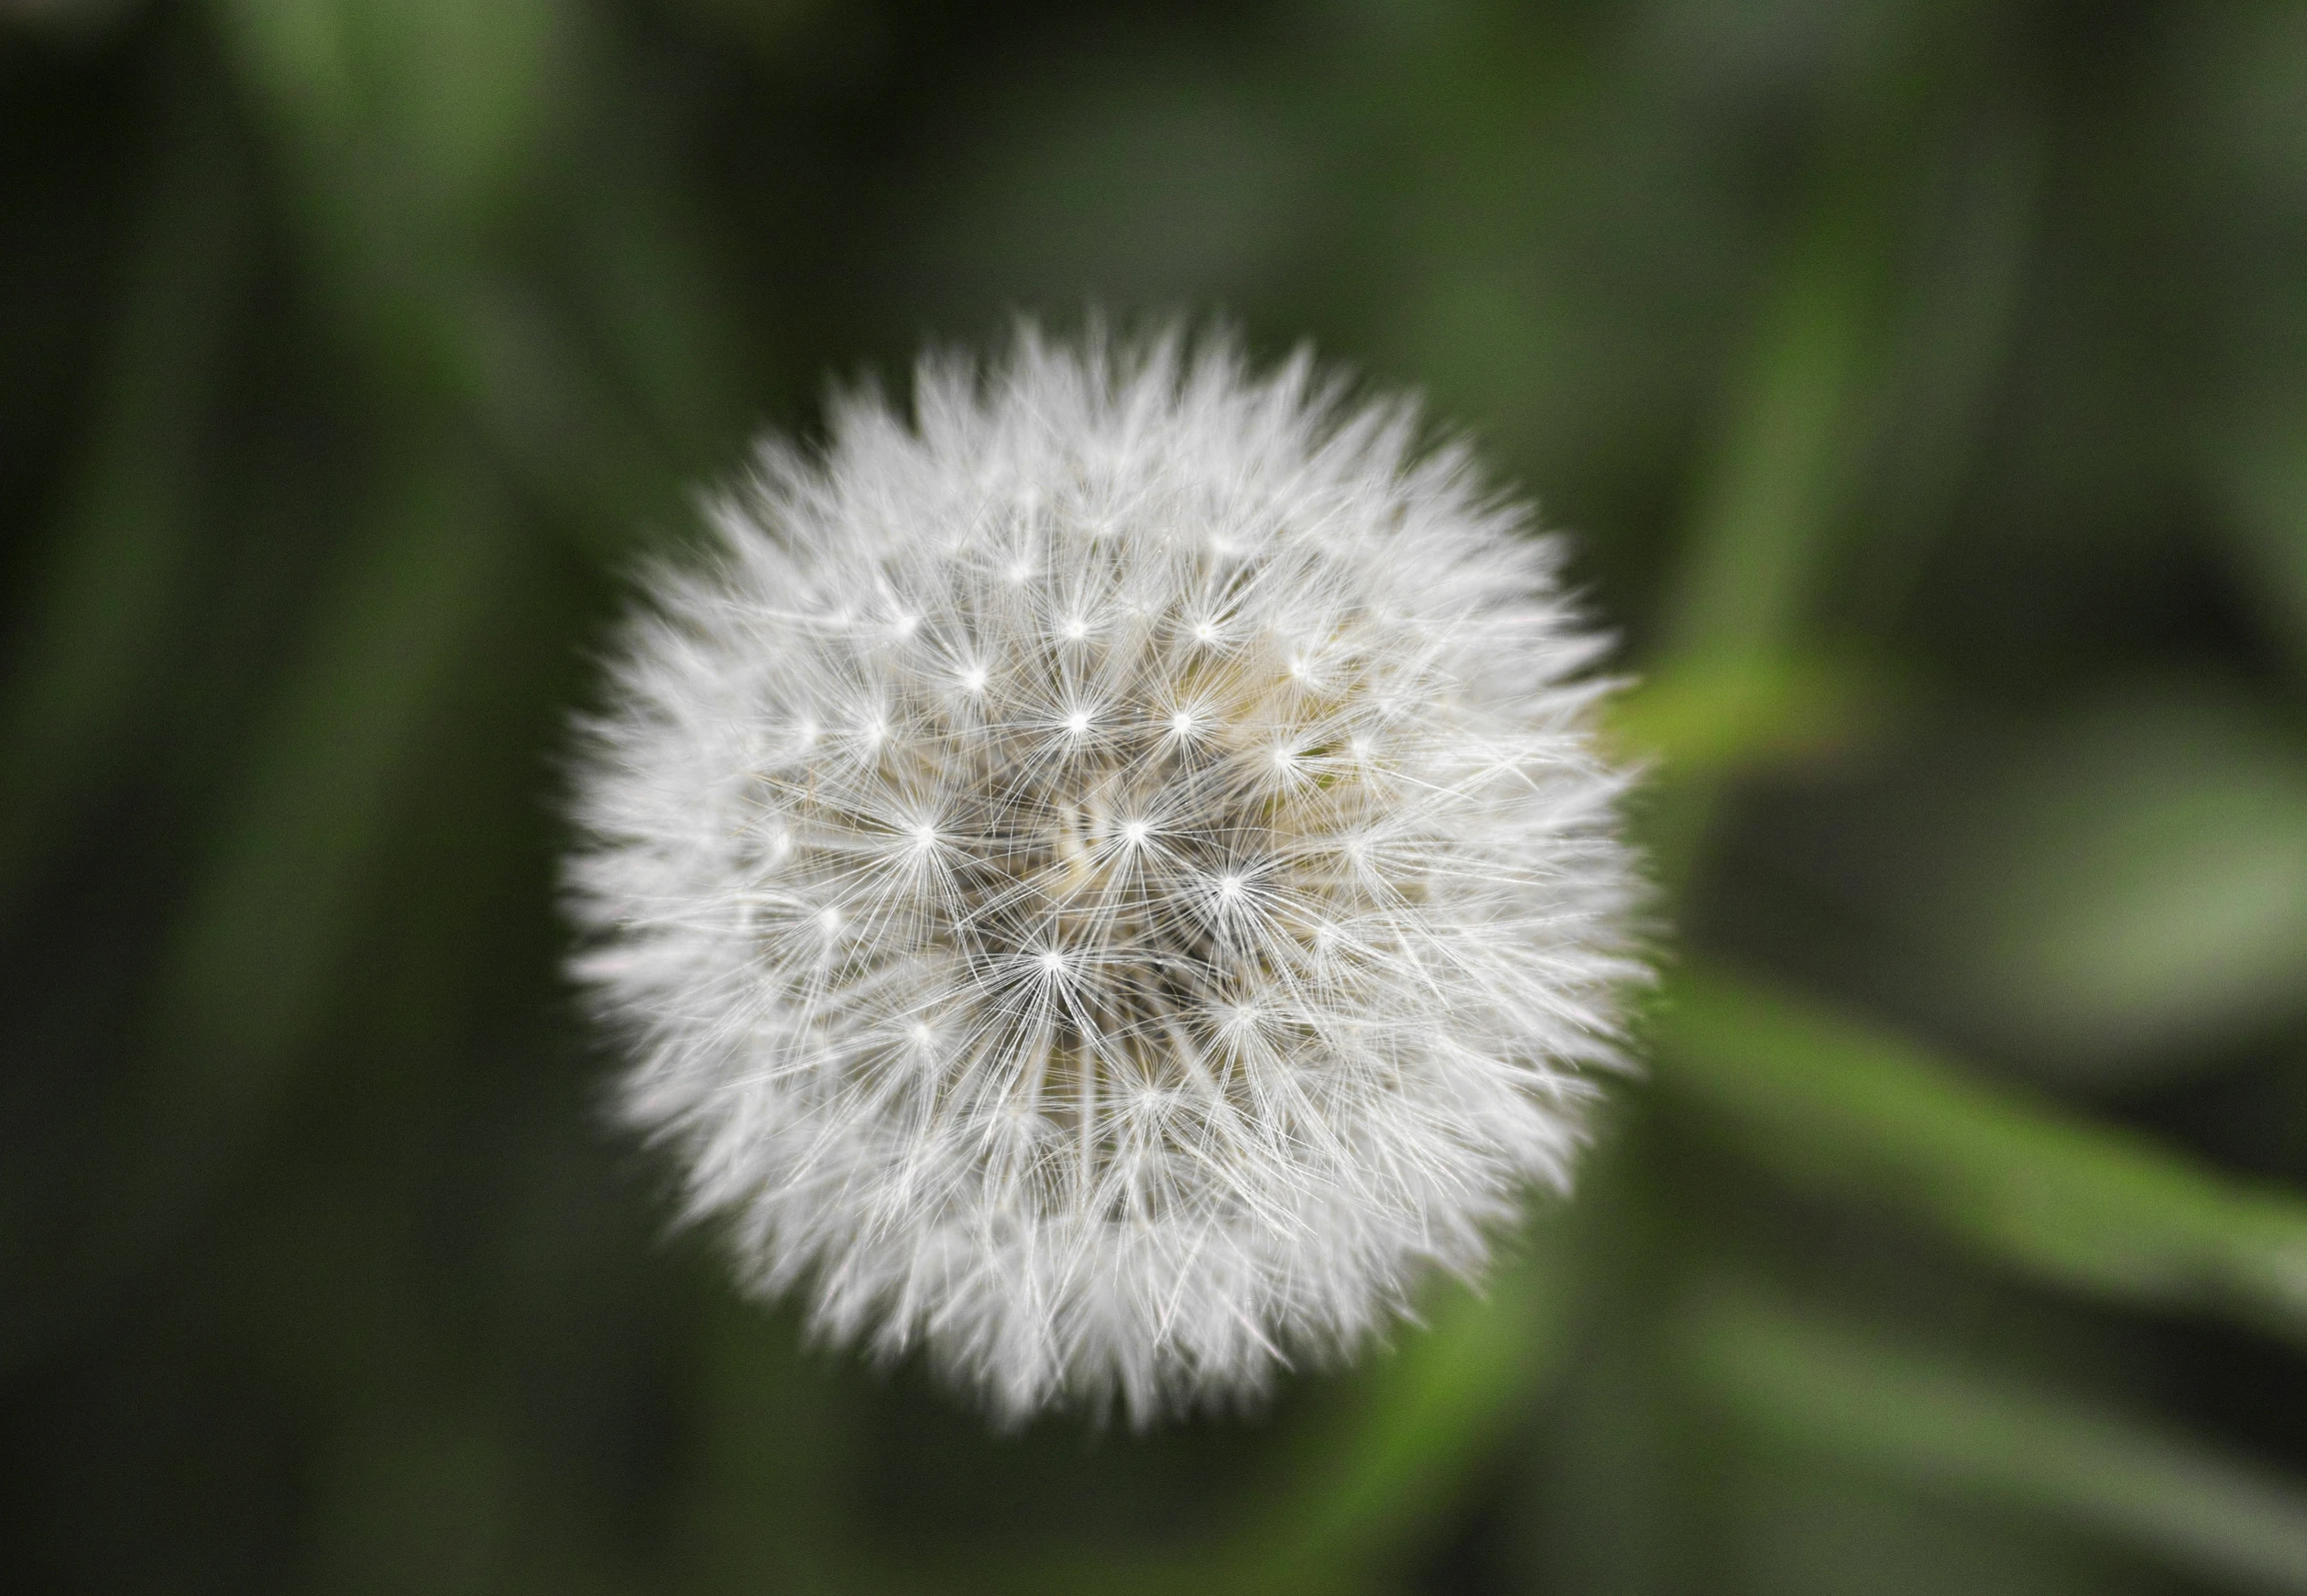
1927	387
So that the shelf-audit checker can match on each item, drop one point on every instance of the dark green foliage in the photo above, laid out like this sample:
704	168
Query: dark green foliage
1928	387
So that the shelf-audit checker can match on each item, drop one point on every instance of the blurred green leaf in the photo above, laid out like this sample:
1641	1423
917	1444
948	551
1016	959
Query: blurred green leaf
2117	896
1433	1412
1773	712
1838	1105
449	104
1811	1384
1355	1496
1790	430
249	966
2263	475
259	934
1802	411
1769	499
1803	1521
1784	462
409	184
99	616
1950	351
643	278
1848	332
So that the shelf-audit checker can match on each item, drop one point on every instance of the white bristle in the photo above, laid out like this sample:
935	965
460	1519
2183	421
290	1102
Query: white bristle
1109	883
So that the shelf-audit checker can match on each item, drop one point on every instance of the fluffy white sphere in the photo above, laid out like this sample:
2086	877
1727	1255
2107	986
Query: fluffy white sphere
1112	880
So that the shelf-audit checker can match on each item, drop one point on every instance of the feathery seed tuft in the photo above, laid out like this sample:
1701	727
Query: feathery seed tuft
1111	882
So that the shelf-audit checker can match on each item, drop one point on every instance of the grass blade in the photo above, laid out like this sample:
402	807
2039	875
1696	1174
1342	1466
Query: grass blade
100	614
1814	1385
1837	1104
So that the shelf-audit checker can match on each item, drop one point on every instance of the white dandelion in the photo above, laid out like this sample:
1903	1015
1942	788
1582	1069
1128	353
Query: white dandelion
1111	882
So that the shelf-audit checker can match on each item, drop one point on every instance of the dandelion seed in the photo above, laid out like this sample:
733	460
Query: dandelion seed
1170	1001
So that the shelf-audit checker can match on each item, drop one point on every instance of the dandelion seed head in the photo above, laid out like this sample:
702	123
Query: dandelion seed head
1108	876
